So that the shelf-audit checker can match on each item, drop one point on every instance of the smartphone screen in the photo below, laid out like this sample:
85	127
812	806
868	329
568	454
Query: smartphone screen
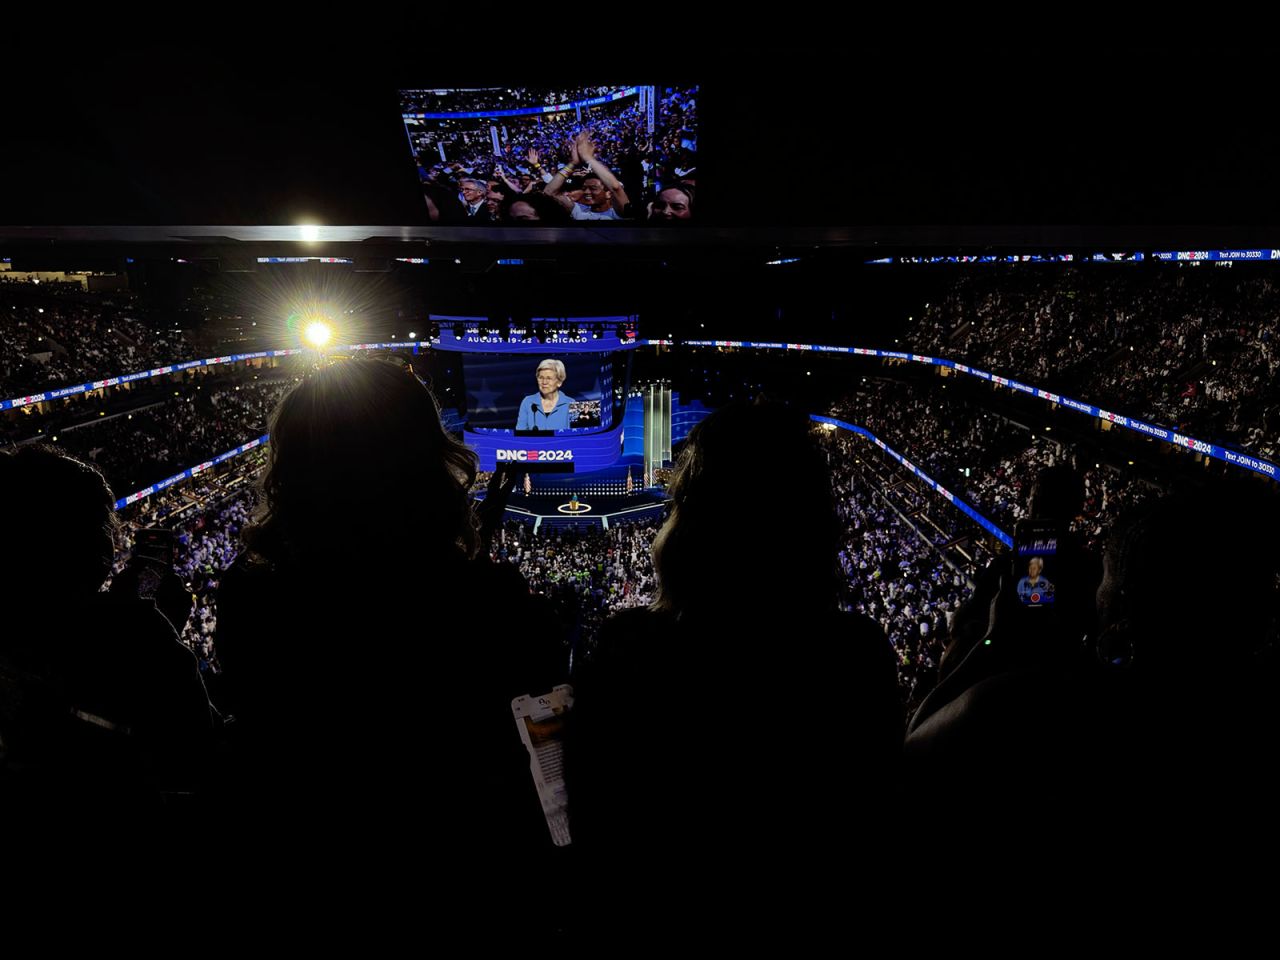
1035	563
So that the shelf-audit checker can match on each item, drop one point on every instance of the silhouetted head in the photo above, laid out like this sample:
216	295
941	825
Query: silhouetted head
359	462
1190	580
57	526
1057	494
752	520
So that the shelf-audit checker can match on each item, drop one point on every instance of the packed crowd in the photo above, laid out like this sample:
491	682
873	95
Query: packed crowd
470	184
52	337
979	457
207	546
892	575
206	517
589	574
136	449
1191	349
495	98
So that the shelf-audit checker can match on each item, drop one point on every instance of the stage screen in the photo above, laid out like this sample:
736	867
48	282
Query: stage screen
556	156
530	394
546	392
545	411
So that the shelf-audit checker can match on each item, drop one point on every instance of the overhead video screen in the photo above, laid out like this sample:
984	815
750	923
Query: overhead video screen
507	156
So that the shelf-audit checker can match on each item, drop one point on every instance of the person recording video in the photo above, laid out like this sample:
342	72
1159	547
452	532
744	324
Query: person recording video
548	409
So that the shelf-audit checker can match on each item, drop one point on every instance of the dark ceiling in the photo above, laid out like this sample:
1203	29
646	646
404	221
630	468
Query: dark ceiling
849	140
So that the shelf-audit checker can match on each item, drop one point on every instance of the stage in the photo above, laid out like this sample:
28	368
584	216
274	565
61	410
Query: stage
584	504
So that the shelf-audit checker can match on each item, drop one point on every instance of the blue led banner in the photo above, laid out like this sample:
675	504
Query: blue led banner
304	260
1211	256
928	480
1125	257
527	111
1204	447
141	375
584	342
974	258
191	472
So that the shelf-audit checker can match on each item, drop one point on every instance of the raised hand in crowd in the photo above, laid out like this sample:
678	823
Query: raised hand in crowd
500	175
586	149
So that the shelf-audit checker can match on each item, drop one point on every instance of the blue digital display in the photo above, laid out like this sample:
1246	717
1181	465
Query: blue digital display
986	258
141	375
521	111
928	480
581	453
190	472
1210	256
304	260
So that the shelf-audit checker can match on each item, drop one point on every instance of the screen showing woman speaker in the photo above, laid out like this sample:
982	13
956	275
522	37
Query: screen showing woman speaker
1035	563
529	395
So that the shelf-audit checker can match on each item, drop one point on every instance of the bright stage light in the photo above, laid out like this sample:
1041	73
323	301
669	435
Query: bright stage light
310	232
317	334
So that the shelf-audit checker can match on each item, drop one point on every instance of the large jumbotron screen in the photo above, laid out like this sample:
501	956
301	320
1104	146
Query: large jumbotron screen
556	156
549	395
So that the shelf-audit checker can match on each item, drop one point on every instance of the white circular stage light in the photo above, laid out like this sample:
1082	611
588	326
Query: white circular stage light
318	334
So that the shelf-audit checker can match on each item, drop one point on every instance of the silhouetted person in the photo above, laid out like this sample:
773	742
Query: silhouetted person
1172	729
1056	495
102	710
742	719
1188	610
371	659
